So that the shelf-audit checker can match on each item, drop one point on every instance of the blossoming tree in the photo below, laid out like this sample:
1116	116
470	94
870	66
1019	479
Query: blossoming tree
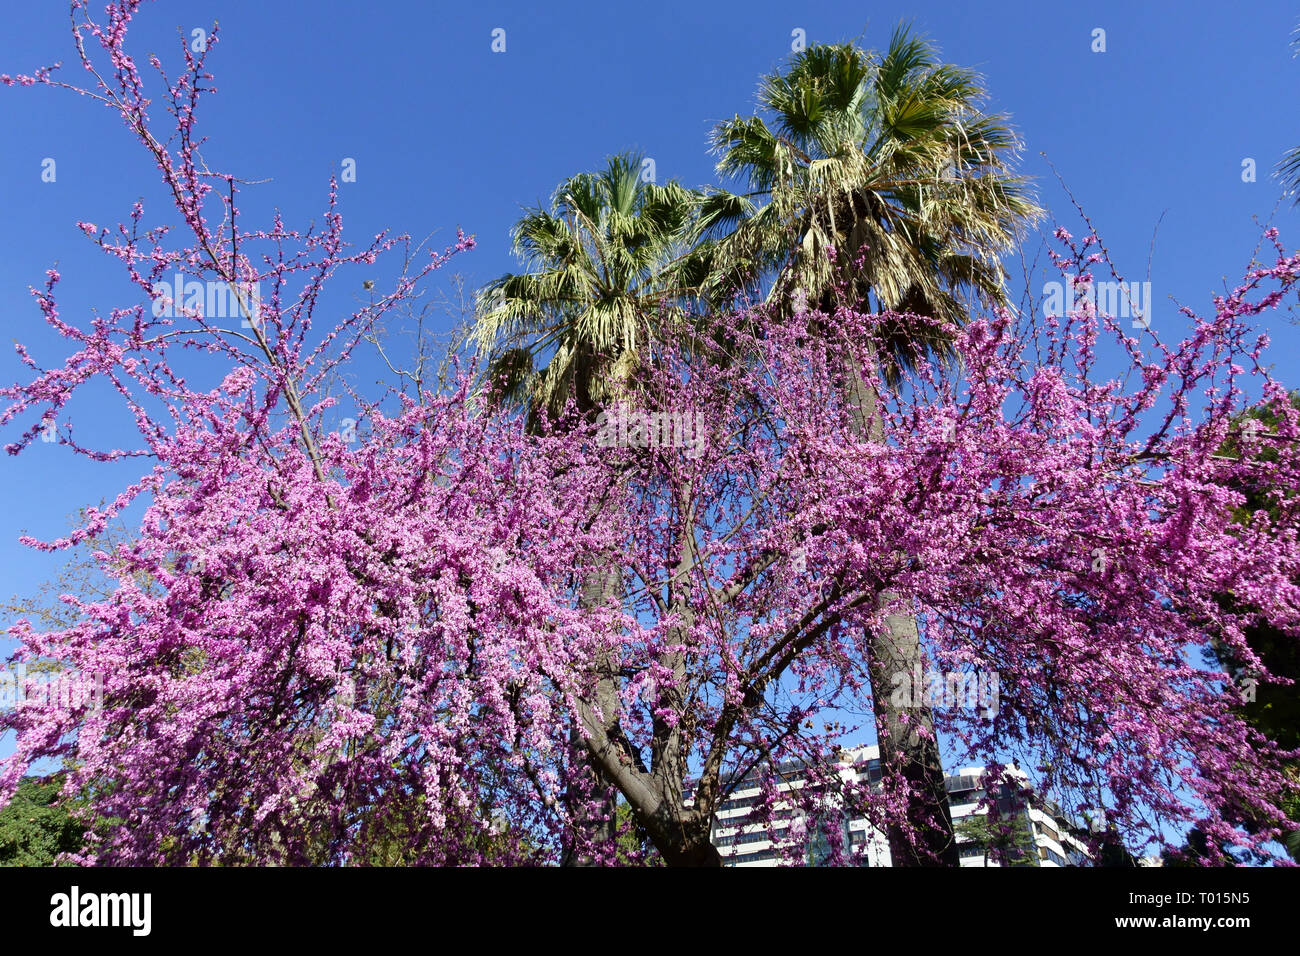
318	649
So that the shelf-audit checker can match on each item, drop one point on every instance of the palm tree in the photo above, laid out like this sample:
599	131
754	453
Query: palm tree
600	287
889	157
888	161
603	269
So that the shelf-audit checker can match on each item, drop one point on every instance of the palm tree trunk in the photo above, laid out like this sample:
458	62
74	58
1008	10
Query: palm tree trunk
906	735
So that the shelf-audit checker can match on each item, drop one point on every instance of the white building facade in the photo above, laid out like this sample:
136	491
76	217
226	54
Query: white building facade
751	844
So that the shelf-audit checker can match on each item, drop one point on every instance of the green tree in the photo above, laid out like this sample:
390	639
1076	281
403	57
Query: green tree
37	825
887	157
877	182
634	844
603	270
1004	840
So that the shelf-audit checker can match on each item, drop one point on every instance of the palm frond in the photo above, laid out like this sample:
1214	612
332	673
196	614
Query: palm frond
607	268
879	178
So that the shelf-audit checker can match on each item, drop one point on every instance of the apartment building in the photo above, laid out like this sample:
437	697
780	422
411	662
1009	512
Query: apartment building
1052	834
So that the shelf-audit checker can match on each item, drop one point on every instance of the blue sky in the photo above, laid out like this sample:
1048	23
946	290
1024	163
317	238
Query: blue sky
447	133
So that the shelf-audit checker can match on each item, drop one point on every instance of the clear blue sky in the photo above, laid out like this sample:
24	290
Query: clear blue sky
445	133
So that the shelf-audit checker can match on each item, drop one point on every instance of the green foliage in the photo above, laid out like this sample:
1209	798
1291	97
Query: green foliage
36	827
602	275
1006	840
634	845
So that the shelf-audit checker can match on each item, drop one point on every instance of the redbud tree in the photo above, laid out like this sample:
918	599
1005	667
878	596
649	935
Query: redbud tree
322	650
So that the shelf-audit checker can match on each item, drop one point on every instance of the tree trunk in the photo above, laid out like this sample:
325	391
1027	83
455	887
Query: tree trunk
594	820
693	853
902	749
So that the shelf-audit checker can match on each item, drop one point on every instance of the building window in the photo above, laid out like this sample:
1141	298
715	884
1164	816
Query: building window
1045	854
1046	830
